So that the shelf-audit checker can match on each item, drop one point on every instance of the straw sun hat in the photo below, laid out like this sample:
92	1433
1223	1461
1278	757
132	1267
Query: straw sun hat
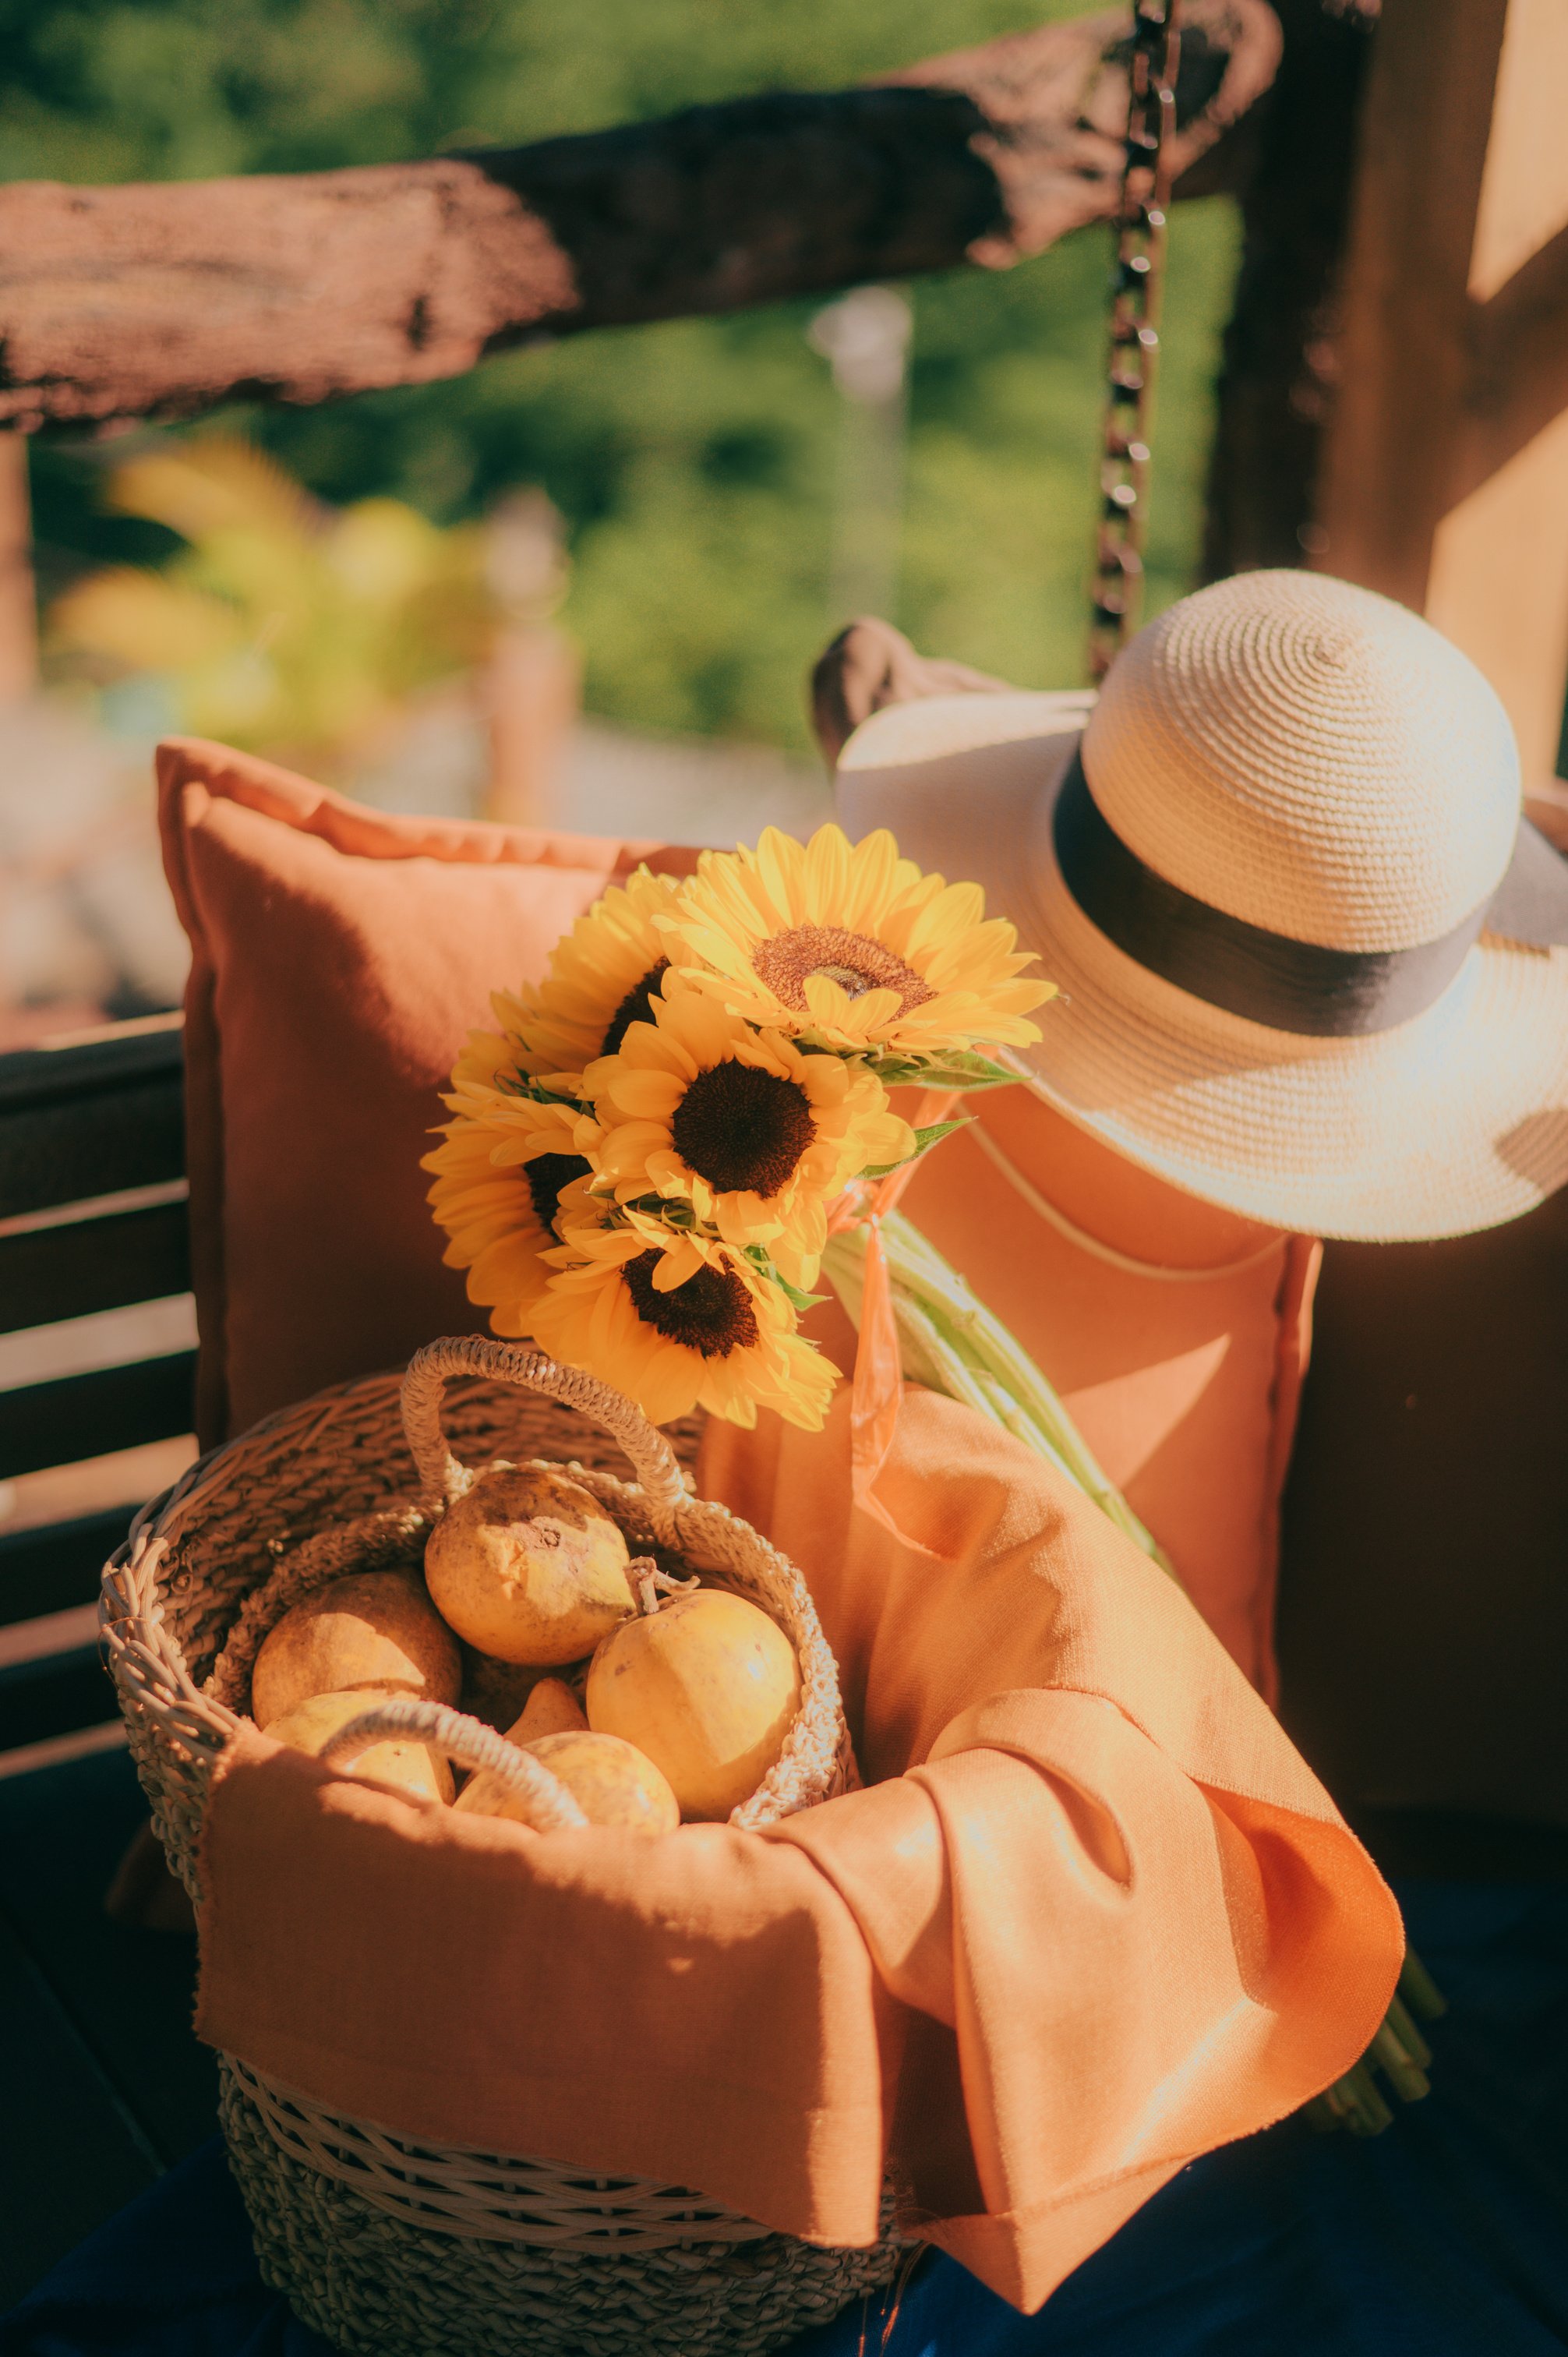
1303	936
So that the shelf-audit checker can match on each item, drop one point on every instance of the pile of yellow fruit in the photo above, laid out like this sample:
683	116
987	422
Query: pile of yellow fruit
650	1707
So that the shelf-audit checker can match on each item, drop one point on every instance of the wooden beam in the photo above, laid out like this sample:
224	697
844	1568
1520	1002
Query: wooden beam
101	1118
18	601
1498	586
80	1267
1445	475
163	300
1524	186
1402	360
53	1568
93	1415
1498	578
1519	360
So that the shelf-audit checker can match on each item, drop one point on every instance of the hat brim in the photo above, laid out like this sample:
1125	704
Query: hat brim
1455	1121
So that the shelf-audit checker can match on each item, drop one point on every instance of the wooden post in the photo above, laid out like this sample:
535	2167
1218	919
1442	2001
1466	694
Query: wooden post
533	693
532	685
18	611
1445	478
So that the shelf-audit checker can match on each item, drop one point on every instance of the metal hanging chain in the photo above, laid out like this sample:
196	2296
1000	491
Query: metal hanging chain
1117	594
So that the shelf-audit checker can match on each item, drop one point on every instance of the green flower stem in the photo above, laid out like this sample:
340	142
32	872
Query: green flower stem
1354	2101
1420	1991
1403	2073
1405	2031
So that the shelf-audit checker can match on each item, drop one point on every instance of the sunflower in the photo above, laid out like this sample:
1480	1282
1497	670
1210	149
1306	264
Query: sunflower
690	1327
851	943
498	1177
601	976
754	1135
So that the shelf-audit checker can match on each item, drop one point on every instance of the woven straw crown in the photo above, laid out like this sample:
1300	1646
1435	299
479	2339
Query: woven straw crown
1311	758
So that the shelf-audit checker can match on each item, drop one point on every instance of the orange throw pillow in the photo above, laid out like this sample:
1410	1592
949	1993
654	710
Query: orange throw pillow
338	958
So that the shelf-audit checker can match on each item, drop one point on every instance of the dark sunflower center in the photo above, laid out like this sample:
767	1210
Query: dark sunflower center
743	1129
633	1007
854	961
710	1313
546	1175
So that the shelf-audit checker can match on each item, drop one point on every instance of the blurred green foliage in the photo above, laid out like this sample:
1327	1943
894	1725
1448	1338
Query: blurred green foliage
283	626
693	461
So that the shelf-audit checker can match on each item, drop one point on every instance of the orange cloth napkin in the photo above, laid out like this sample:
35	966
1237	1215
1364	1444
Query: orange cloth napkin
1091	1917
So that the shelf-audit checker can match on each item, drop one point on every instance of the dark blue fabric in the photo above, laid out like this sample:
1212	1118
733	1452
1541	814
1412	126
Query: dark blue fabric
1446	2237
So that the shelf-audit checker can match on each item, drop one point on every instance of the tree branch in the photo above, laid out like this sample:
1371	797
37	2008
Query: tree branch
163	300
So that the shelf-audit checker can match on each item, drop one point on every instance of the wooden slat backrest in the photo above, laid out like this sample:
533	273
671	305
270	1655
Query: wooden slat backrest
89	1120
92	1218
106	1263
91	1414
48	1570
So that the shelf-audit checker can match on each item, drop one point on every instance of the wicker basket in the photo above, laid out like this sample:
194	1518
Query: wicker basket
386	2245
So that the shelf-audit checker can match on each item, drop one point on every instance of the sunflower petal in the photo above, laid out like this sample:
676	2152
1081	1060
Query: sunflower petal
646	1095
680	1260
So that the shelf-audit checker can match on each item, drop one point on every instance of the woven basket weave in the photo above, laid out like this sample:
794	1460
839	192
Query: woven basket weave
386	2245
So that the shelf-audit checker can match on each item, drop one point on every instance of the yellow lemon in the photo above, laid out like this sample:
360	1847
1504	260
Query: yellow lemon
424	1775
529	1567
708	1686
611	1781
369	1629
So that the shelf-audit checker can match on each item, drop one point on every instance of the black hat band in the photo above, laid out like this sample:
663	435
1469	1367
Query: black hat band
1265	977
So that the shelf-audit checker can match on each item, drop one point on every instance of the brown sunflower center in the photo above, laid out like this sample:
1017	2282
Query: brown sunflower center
710	1313
633	1007
851	960
742	1129
546	1175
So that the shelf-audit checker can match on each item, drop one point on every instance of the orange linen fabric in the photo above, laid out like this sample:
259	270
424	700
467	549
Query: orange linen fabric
1091	1917
339	958
1183	1371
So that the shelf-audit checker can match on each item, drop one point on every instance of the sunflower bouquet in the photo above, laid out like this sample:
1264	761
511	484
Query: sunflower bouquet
645	1160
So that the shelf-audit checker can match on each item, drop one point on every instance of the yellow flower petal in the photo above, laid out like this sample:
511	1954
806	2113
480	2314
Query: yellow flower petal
612	954
648	1096
681	1260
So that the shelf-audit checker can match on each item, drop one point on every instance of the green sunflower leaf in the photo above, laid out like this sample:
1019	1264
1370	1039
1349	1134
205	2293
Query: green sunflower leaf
895	1071
672	1210
757	1255
519	1084
931	1134
967	1069
792	1293
954	1068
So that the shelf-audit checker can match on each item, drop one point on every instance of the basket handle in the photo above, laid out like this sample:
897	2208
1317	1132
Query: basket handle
549	1807
443	1479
